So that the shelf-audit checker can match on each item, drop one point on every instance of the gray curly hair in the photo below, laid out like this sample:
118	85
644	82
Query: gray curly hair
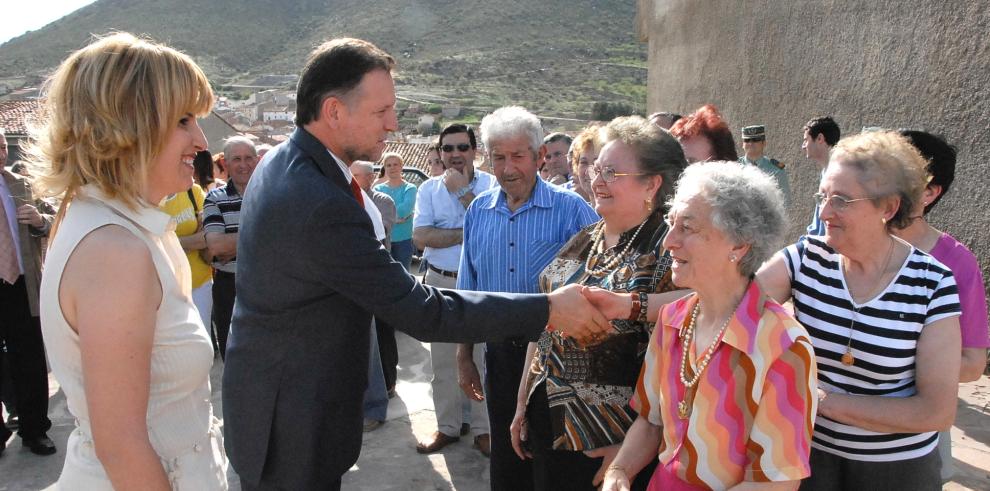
747	206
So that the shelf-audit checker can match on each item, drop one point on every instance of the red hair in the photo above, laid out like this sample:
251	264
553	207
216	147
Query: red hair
707	122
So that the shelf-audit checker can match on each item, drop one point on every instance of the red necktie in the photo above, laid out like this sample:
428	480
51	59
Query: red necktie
357	192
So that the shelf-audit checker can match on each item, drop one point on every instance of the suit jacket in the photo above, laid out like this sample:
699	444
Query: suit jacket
32	240
310	275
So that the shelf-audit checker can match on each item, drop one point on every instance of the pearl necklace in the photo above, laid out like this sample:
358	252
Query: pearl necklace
683	408
598	247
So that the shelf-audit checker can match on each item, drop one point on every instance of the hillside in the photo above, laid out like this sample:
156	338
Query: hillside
554	56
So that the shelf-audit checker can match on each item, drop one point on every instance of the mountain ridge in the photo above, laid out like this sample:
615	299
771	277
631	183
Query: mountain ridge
551	56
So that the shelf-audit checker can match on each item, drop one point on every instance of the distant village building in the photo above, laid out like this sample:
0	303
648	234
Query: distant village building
284	113
451	111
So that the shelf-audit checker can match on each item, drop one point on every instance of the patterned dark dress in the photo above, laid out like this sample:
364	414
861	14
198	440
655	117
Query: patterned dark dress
588	388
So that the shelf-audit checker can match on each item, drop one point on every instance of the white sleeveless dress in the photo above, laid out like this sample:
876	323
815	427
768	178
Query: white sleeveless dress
181	426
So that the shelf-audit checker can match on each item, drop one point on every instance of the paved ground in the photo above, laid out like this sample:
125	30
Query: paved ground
388	460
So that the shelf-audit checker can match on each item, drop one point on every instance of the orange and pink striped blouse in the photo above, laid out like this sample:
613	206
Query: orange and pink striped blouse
753	410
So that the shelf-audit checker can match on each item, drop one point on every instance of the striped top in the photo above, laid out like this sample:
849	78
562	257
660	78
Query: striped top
885	332
505	251
753	409
222	214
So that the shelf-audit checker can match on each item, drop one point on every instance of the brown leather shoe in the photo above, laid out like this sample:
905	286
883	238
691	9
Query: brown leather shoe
484	444
436	442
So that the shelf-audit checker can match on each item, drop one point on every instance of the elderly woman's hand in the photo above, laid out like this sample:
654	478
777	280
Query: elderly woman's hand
615	480
518	433
611	305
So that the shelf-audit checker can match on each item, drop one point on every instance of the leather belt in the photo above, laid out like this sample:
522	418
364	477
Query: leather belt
449	274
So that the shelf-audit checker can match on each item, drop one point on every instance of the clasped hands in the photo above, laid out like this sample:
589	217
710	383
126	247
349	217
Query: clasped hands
583	313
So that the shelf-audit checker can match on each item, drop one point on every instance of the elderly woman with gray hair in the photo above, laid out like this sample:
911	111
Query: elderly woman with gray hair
727	391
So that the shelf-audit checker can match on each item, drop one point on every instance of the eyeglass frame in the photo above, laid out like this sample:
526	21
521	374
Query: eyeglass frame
821	198
449	147
593	173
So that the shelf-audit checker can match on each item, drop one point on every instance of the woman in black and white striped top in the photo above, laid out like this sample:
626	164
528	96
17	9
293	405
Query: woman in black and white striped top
884	321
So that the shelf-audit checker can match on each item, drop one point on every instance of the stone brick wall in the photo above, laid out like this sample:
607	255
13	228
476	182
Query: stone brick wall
890	63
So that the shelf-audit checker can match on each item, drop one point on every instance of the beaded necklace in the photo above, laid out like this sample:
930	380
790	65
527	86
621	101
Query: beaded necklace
683	407
598	248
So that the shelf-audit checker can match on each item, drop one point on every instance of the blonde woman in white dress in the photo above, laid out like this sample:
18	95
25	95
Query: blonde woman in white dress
118	136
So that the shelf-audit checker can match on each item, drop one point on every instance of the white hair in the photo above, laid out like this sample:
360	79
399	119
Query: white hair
747	206
363	164
511	122
238	140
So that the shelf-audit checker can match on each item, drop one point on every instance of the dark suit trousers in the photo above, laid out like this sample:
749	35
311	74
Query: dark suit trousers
25	355
388	351
223	307
504	365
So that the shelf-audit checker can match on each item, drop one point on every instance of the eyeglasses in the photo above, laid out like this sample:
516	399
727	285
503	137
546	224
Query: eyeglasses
608	174
461	147
838	203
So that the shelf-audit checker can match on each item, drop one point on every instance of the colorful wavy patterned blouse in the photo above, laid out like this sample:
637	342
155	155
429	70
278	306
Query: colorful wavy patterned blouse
753	409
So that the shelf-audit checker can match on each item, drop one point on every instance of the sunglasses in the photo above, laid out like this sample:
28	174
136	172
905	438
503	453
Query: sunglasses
461	147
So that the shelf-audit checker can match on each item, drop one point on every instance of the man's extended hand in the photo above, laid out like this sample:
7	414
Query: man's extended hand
574	316
467	373
454	180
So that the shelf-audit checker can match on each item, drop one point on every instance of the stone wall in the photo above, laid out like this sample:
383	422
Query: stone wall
889	63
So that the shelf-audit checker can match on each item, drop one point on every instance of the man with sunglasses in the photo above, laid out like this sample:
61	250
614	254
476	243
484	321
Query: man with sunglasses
441	204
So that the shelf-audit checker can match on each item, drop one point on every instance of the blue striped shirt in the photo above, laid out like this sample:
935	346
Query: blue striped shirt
505	251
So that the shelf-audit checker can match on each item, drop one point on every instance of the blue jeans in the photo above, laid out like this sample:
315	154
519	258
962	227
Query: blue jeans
402	252
375	396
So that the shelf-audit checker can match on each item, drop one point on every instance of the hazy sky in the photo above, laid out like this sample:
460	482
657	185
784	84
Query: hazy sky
20	16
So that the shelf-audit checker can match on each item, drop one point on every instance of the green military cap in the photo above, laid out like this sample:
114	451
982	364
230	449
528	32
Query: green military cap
756	132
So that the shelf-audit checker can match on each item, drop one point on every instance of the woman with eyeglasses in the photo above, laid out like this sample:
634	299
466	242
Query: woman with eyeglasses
884	320
572	408
727	390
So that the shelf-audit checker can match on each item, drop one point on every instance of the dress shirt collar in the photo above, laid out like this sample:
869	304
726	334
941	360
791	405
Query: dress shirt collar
343	168
540	197
741	333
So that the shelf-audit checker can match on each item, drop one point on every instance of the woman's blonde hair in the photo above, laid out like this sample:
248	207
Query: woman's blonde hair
888	166
586	140
107	114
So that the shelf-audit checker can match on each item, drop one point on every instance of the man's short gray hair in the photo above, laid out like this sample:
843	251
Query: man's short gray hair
511	122
747	206
364	165
238	140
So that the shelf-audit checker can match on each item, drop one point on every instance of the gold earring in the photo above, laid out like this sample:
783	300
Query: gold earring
649	204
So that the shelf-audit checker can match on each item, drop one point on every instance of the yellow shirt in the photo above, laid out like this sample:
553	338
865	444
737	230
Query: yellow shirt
186	221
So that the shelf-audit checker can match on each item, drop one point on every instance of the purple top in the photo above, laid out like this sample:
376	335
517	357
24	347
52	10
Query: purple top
972	294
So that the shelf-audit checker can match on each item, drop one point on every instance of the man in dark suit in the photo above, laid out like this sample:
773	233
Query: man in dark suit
311	275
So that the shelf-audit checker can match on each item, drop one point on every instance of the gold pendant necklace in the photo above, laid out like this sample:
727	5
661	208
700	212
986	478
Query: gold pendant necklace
847	358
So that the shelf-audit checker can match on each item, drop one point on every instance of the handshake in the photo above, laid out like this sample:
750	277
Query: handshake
583	313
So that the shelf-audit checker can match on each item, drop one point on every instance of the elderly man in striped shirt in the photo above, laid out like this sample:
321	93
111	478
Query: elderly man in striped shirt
510	234
221	222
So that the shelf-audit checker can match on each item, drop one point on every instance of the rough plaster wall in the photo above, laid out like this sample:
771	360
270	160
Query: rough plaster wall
890	63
